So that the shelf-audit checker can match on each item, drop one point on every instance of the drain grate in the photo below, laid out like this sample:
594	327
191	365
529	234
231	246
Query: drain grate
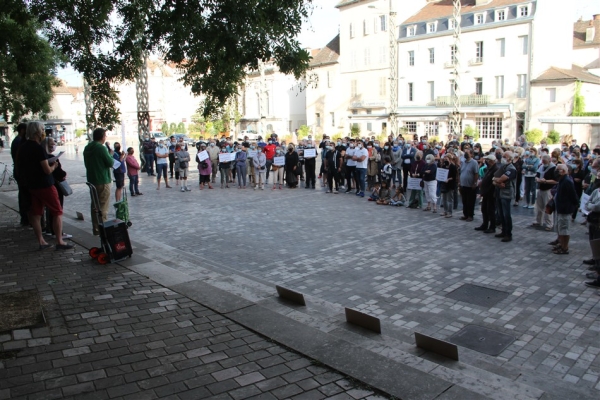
20	310
478	295
481	339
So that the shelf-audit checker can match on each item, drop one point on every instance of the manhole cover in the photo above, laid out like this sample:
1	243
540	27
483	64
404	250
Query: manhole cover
20	310
482	339
478	295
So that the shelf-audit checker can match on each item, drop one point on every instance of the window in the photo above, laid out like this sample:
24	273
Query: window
523	11
383	54
522	88
479	86
329	79
432	56
383	82
500	87
354	112
353	90
431	27
411	58
410	91
369	126
520	123
367	56
479	19
366	27
432	128
452	87
411	30
500	15
451	23
500	45
332	115
478	52
551	95
382	23
524	44
411	126
368	111
267	103
351	30
489	127
453	54
318	119
431	86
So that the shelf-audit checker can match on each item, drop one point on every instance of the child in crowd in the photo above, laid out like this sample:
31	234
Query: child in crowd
375	194
384	194
386	172
398	199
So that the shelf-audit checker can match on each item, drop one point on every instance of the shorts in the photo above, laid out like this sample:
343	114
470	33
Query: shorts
45	197
120	179
183	173
161	169
563	224
204	178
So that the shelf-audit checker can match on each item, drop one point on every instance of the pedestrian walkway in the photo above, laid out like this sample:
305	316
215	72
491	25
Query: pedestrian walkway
112	333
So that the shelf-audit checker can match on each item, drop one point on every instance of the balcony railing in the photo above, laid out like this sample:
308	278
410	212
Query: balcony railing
450	64
471	100
476	61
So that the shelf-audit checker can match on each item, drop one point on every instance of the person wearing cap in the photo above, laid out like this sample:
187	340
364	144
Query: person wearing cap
149	147
488	193
204	169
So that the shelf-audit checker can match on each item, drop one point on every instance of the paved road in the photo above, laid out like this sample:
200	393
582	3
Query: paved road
395	263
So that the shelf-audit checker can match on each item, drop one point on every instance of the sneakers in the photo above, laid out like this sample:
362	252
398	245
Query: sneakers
531	206
361	194
335	191
593	284
526	205
64	246
187	189
182	189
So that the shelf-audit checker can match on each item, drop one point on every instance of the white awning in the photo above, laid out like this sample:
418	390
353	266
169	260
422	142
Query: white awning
570	120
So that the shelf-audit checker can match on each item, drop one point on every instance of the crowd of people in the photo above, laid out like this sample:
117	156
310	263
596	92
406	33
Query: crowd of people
557	183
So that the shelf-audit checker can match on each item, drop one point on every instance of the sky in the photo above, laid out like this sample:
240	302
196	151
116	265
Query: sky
323	25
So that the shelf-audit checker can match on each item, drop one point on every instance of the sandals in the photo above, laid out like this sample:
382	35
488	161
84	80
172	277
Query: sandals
560	250
553	243
427	209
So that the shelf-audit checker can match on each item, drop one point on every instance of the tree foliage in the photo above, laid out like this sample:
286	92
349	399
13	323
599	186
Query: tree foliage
213	42
27	64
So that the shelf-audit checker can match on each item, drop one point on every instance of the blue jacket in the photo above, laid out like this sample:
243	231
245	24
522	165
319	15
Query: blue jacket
566	199
408	154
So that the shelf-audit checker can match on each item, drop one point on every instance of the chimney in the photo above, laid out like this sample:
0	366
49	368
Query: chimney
590	31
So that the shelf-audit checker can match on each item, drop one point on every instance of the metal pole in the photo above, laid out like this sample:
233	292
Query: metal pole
456	119
89	109
143	114
393	73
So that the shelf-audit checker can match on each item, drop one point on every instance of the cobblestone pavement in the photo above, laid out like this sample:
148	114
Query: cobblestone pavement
112	333
397	264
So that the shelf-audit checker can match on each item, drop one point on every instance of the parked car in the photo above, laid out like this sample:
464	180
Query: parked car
252	135
186	139
158	136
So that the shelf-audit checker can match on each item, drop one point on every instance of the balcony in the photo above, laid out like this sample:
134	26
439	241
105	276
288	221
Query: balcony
476	61
471	100
450	64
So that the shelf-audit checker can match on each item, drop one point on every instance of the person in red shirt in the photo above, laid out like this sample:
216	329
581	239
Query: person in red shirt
269	150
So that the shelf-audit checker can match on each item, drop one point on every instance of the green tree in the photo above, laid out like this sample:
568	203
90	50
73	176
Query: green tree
213	43
181	128
474	132
303	132
553	137
355	130
165	128
27	64
198	124
172	128
535	136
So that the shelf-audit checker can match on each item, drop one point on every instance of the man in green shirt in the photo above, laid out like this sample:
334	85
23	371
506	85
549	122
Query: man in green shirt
98	164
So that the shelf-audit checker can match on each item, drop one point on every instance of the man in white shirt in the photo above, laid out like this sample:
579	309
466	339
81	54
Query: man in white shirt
351	166
162	160
361	157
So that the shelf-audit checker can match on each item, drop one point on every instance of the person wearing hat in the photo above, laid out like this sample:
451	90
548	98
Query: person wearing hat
488	193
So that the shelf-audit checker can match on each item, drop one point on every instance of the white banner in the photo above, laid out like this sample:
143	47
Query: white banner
310	153
584	200
203	155
414	184
226	157
442	175
252	153
279	161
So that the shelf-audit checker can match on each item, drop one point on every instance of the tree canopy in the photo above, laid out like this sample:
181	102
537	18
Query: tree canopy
27	64
213	42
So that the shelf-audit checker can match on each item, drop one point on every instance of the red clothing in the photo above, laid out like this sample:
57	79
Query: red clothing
270	151
132	165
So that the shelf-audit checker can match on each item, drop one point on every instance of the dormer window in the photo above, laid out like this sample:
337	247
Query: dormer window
431	27
411	31
523	11
479	19
501	15
451	23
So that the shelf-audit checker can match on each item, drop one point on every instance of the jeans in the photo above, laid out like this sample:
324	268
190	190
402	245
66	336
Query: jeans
488	210
530	194
361	174
149	163
133	184
269	163
224	176
468	198
416	195
503	207
161	170
396	177
447	200
241	174
350	176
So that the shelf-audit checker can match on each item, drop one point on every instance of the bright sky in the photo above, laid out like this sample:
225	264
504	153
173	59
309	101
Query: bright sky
323	25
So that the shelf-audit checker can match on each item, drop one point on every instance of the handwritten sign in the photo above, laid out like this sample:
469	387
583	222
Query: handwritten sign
252	153
584	199
226	157
279	161
414	184
442	175
310	153
203	155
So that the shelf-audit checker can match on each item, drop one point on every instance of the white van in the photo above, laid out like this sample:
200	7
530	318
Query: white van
252	135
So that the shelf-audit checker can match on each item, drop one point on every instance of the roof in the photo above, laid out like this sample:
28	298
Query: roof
61	89
579	31
328	54
154	64
576	73
344	3
444	8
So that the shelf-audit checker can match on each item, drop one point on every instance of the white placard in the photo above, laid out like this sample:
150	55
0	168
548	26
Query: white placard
414	184
279	161
310	153
252	153
52	160
226	157
584	200
116	164
203	155
442	174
